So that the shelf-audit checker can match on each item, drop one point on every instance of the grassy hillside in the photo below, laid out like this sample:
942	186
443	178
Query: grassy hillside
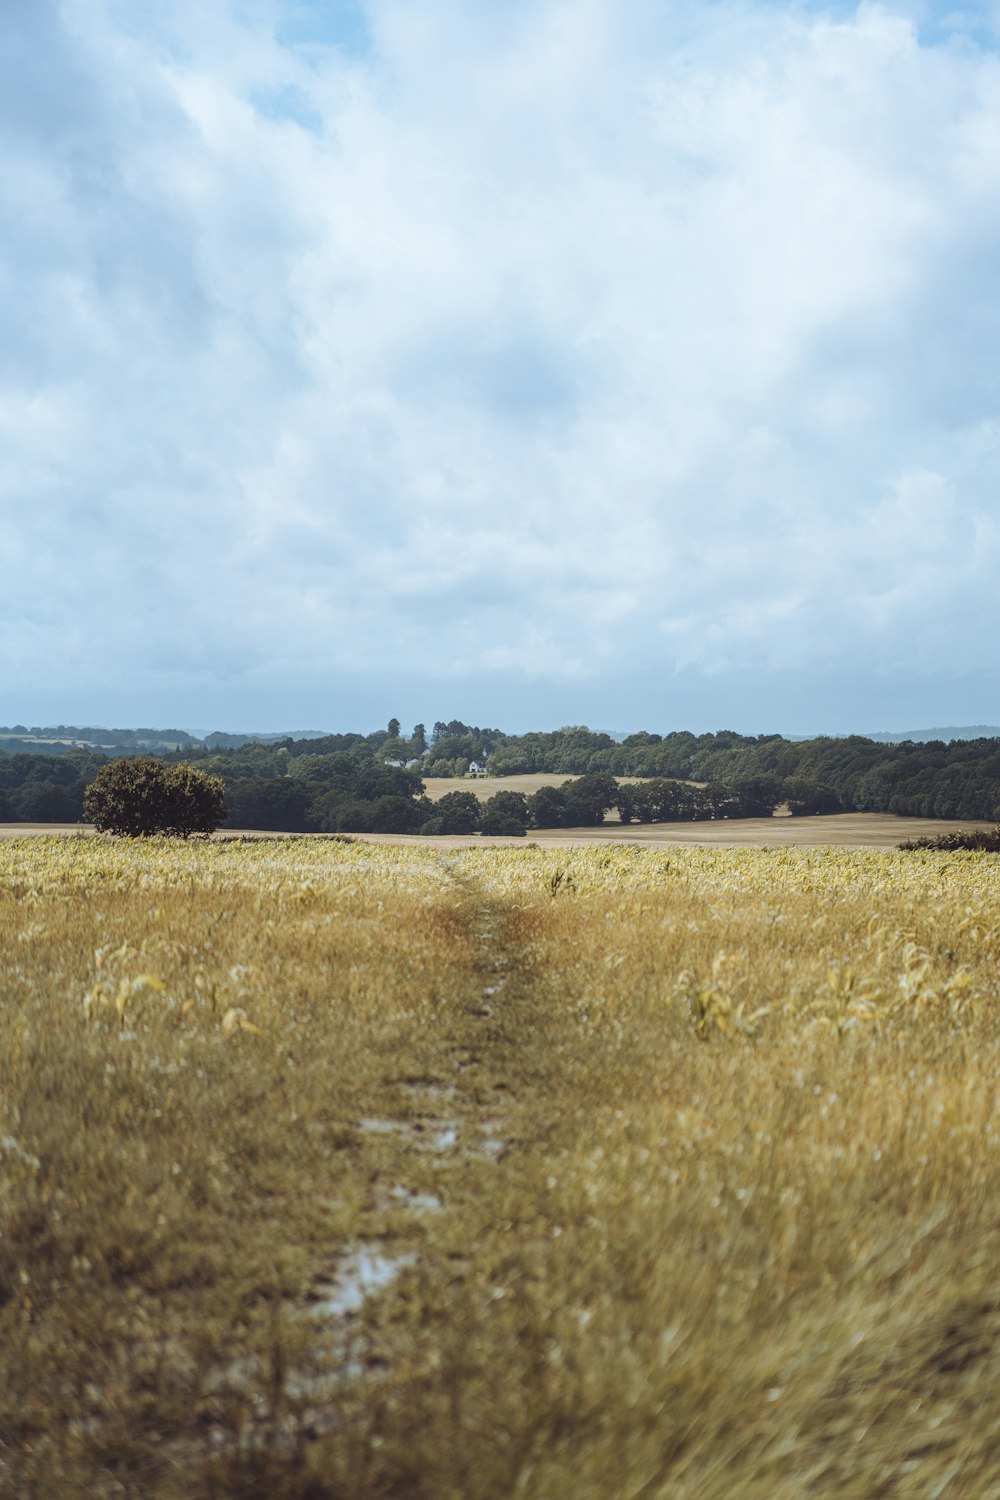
486	786
346	1171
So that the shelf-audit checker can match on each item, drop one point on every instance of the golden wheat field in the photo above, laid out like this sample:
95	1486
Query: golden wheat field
344	1171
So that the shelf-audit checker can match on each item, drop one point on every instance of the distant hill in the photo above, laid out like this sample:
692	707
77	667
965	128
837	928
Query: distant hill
949	732
222	739
56	739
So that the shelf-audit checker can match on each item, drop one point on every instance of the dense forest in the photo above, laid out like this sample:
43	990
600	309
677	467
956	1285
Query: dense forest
376	782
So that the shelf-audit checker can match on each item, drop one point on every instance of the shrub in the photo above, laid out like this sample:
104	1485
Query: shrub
142	797
195	803
807	798
502	824
588	799
456	812
505	813
547	808
396	815
986	840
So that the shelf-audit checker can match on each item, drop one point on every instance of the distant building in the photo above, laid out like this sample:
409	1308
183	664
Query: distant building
476	769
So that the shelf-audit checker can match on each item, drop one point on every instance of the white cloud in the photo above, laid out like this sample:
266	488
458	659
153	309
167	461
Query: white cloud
547	343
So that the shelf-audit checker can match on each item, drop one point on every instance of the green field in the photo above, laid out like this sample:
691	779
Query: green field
338	1170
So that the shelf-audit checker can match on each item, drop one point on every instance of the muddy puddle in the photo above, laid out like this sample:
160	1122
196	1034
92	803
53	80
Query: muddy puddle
409	1198
363	1271
426	1135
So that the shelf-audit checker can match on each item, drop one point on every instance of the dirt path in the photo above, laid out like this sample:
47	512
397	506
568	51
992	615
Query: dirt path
431	1156
455	1123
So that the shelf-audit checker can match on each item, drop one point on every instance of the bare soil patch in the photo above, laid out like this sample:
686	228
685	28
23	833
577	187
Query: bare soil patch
23	830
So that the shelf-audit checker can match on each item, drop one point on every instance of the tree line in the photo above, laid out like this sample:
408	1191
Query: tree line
927	779
377	782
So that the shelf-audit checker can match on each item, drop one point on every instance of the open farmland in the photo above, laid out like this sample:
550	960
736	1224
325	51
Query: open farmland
348	1170
838	830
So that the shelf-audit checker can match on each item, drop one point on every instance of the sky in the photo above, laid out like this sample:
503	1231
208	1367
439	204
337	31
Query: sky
529	362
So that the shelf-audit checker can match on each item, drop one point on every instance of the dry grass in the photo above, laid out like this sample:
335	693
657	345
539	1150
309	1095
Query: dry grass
682	1167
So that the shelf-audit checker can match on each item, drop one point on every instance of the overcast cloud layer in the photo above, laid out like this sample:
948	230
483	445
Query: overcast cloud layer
559	360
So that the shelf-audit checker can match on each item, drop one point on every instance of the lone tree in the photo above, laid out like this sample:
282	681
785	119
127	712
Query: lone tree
143	796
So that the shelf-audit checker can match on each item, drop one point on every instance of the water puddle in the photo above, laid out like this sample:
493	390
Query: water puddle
371	1126
12	1148
429	1089
492	1142
403	1197
426	1135
361	1273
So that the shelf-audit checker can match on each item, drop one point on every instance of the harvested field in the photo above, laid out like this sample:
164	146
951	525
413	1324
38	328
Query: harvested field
349	1172
842	831
486	786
